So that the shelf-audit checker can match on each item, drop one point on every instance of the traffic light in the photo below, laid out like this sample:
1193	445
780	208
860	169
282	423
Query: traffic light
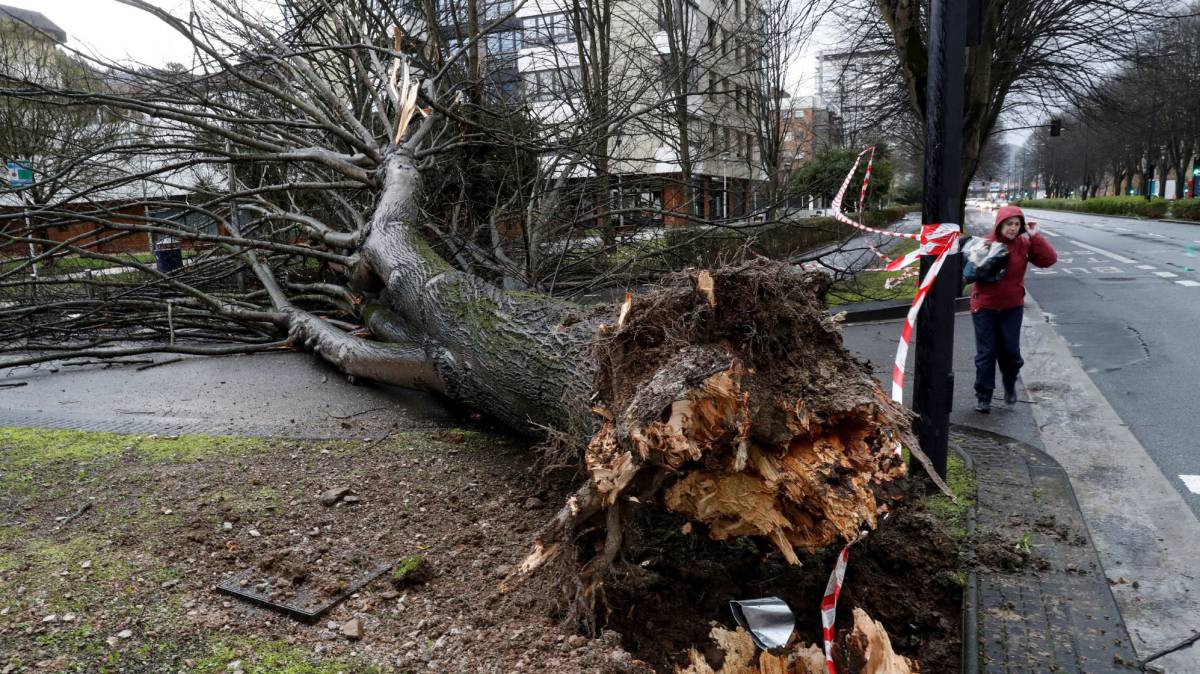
1056	127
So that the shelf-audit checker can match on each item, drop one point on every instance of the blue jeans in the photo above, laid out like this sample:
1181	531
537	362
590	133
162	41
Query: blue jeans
997	340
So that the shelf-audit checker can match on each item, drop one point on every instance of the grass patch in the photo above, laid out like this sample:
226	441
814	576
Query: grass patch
962	482
275	657
871	286
23	447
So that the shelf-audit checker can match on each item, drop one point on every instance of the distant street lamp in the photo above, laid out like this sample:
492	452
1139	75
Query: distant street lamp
725	184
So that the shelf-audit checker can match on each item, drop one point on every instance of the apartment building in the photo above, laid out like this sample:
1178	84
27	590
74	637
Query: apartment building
675	76
856	86
809	126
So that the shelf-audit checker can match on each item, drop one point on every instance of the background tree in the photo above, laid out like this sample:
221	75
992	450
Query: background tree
822	176
1042	53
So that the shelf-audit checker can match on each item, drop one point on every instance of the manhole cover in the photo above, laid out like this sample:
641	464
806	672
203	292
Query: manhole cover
306	605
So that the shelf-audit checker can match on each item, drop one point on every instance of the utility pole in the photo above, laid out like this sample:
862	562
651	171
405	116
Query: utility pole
933	383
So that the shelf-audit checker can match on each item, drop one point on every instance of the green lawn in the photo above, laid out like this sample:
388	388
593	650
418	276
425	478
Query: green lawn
869	286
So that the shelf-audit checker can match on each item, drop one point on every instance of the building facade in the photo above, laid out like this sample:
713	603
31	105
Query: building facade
809	127
856	86
674	76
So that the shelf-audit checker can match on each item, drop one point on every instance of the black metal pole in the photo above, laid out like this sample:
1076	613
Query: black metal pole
933	383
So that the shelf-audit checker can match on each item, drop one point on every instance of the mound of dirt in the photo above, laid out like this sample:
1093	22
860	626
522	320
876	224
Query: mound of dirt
676	585
733	390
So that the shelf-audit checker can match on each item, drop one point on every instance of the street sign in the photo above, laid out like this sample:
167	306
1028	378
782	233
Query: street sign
20	174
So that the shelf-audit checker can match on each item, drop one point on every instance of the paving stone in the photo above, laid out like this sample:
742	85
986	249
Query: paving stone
1059	619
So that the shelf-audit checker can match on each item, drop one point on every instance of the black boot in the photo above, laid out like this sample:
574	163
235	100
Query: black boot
983	406
1010	395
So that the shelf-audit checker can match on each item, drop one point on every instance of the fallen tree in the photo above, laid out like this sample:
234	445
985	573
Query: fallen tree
724	396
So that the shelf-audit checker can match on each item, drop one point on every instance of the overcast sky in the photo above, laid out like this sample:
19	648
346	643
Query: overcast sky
114	30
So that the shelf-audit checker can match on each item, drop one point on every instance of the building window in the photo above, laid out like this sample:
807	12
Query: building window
504	42
547	29
494	9
450	12
543	85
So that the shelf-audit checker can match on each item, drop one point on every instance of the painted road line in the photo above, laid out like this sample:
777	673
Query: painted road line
1047	232
1146	266
1189	283
1192	482
1105	253
1158	236
1121	229
1165	274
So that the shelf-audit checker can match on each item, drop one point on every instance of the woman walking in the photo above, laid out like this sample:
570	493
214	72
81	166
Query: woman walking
997	308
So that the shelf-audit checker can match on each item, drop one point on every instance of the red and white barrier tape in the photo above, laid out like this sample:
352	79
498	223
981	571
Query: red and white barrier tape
862	194
829	604
836	206
939	240
942	242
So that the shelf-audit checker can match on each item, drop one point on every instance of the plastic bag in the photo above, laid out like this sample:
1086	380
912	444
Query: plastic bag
984	261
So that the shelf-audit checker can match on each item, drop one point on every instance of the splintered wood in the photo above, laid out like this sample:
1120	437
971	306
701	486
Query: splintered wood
805	493
744	459
865	649
727	397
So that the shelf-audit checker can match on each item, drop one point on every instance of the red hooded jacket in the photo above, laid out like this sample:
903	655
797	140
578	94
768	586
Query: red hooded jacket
1009	291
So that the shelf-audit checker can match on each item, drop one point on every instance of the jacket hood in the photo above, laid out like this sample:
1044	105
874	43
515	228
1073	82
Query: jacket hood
1005	213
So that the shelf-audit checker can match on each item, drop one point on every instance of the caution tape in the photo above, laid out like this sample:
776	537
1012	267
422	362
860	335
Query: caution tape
829	604
935	239
941	245
833	589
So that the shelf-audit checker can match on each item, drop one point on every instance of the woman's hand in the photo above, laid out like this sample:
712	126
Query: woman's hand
1031	227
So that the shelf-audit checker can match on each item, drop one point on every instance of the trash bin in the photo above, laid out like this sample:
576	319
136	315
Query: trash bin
168	256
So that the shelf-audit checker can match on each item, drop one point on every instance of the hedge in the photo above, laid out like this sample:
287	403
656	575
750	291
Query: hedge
1186	209
709	246
1182	209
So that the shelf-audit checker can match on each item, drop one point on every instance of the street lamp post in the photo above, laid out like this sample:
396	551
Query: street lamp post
933	381
725	185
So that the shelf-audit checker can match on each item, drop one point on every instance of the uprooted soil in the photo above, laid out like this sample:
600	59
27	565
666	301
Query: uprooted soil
904	574
128	584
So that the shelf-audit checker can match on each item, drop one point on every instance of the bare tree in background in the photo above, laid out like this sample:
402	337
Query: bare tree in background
1137	127
1043	53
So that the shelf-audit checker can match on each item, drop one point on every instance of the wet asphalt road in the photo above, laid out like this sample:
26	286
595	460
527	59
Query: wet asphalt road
1125	295
287	394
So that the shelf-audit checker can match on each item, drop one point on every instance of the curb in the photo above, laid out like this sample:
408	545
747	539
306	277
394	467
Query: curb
1054	619
886	310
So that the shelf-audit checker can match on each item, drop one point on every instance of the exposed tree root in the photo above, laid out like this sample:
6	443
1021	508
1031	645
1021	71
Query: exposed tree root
727	397
737	383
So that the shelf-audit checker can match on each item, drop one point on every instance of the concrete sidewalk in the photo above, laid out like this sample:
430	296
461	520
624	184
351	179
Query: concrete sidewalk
1116	595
